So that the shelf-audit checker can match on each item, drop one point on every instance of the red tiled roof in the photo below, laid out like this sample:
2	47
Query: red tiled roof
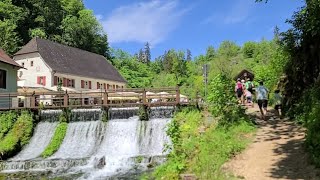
6	59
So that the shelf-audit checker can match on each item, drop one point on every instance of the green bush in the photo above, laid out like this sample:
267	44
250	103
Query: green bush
7	120
56	140
201	153
18	136
307	113
222	101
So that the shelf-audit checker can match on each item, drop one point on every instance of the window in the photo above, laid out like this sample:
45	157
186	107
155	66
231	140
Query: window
3	79
41	80
71	83
22	64
31	63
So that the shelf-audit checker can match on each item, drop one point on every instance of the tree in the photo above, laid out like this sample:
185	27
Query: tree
248	49
228	49
147	53
85	32
189	55
9	39
141	56
210	54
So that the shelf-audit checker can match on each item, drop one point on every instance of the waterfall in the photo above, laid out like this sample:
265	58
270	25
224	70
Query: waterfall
85	115
97	149
126	139
41	138
123	113
153	137
81	140
50	115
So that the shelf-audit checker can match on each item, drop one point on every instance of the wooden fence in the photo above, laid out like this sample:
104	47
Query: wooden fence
110	98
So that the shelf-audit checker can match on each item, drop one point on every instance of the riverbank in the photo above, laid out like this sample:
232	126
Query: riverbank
201	148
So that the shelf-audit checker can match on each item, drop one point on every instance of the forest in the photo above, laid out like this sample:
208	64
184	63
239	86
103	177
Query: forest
289	62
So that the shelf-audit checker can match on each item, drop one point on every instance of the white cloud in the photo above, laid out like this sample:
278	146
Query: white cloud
149	21
99	17
238	13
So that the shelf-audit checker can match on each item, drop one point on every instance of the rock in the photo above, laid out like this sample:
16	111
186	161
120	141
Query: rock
100	163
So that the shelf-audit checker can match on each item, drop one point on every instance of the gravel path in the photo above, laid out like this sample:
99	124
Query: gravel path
276	153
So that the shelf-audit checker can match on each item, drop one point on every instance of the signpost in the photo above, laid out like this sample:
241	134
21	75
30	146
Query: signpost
205	69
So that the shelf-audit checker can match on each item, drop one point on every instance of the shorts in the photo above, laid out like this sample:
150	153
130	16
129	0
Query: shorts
276	107
239	93
249	98
263	103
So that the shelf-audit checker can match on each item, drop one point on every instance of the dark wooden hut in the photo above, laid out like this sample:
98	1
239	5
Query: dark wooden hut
244	74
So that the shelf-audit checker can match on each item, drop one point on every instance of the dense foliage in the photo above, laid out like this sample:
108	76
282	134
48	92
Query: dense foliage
64	21
18	136
202	153
56	140
7	120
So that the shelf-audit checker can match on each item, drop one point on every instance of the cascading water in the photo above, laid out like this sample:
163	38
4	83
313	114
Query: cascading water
81	140
85	115
103	149
123	113
50	115
39	141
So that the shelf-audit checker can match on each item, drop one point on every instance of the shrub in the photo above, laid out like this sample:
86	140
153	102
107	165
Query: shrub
202	154
7	120
307	113
18	136
56	140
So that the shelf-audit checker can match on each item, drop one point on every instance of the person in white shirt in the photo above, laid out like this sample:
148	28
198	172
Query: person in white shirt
262	97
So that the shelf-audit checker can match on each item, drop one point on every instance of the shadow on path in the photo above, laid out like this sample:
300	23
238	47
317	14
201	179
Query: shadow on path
277	152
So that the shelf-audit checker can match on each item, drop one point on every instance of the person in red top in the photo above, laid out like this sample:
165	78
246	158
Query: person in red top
239	91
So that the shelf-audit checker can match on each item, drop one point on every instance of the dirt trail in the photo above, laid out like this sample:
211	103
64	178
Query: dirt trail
276	153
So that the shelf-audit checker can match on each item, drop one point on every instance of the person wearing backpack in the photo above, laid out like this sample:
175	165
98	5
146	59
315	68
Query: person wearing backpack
249	85
239	91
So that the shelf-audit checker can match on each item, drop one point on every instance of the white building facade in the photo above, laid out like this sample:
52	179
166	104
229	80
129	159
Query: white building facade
48	65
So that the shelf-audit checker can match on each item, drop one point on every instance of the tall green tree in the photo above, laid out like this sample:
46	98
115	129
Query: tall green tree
147	53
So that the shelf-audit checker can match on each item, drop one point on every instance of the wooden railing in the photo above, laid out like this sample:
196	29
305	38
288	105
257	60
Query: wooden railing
169	96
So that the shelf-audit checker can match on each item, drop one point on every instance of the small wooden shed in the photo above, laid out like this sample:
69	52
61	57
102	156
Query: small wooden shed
244	74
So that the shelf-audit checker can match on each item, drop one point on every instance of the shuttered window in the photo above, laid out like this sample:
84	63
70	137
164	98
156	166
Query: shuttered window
41	80
82	84
104	86
55	81
89	84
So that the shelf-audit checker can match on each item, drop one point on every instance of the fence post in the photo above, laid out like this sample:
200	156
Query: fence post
177	95
144	97
105	99
66	99
33	100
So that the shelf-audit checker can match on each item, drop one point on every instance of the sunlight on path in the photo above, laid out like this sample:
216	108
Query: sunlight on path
276	153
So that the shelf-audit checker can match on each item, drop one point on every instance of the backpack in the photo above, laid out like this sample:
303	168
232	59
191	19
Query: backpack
250	85
239	85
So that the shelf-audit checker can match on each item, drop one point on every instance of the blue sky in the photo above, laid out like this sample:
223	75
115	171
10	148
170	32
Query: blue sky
189	24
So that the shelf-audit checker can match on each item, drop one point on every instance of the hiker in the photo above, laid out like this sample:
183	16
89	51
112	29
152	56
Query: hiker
278	103
249	85
239	91
262	97
248	95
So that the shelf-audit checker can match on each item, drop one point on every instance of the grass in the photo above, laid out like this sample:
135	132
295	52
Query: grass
56	140
18	136
202	154
7	120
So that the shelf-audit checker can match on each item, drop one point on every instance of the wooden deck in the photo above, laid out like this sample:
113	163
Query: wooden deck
151	97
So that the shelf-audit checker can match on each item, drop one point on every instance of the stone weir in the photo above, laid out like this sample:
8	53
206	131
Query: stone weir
95	148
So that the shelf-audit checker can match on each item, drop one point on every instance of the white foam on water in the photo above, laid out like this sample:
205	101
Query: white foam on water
81	140
40	140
